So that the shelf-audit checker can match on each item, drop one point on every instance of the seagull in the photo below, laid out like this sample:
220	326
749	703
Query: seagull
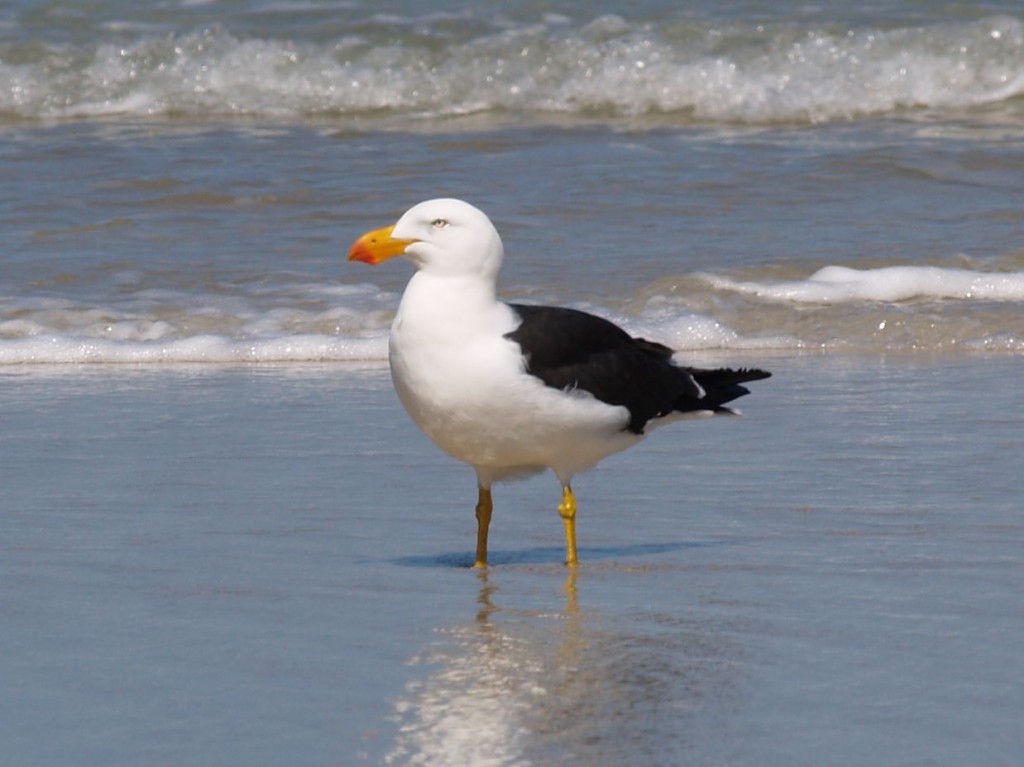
515	389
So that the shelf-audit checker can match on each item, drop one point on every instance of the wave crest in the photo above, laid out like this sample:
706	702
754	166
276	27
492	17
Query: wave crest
609	68
841	284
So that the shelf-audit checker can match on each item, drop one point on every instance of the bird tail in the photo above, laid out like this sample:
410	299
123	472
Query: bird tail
718	387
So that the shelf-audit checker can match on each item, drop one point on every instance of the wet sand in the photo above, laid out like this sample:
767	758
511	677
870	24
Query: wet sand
268	565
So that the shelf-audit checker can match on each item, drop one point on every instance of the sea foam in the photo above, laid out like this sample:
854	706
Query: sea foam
608	68
839	284
837	307
298	323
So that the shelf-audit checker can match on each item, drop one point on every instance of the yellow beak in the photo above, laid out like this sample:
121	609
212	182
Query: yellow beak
378	245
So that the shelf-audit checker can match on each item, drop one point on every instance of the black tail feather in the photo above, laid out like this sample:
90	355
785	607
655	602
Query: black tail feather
720	386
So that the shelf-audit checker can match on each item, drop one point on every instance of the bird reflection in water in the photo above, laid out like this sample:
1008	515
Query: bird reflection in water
553	687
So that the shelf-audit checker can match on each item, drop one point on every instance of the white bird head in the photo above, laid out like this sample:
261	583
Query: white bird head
443	237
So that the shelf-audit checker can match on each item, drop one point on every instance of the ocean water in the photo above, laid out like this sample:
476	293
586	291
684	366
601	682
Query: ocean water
223	543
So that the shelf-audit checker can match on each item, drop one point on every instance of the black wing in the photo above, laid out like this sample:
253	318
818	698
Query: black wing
570	349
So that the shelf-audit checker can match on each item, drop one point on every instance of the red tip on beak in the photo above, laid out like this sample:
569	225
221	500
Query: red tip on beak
378	245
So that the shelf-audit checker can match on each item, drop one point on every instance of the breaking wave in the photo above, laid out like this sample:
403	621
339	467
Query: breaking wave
838	284
609	68
900	307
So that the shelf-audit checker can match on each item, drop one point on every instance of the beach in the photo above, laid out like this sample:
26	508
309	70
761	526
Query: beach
259	565
222	541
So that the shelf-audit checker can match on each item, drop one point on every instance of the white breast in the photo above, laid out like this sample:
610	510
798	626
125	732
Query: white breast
464	384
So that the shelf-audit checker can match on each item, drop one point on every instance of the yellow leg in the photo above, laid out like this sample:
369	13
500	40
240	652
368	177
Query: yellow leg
567	510
484	507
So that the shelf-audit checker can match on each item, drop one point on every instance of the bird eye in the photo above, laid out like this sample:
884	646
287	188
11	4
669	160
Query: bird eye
439	223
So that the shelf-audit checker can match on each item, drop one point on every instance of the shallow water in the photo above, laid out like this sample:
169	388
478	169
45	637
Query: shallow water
259	565
228	245
180	184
